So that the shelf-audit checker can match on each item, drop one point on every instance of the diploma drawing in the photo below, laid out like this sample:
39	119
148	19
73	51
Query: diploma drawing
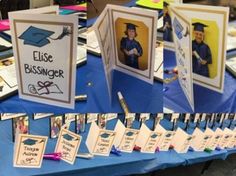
43	88
40	37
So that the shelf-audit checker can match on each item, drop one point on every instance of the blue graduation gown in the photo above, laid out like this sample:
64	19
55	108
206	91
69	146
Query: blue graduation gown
204	52
167	35
131	60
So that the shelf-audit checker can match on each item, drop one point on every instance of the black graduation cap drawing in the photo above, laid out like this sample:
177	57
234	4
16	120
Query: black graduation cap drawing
68	137
130	133
40	37
30	141
199	26
154	136
131	26
105	135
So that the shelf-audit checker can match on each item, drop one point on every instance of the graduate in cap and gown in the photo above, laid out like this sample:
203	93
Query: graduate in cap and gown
201	52
167	35
130	47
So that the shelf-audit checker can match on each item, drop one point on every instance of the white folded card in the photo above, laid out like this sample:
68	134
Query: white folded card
100	141
126	37
45	47
29	151
147	139
166	138
200	140
68	145
125	137
216	137
181	141
200	46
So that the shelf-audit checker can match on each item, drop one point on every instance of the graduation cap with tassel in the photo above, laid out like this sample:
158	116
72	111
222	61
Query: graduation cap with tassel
40	37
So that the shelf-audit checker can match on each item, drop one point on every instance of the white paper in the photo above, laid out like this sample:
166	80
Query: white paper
54	89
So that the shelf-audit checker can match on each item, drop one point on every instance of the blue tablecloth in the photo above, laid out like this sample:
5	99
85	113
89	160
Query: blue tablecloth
128	163
206	100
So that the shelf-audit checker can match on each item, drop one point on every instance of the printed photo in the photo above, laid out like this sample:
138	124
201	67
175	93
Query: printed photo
55	126
20	125
80	123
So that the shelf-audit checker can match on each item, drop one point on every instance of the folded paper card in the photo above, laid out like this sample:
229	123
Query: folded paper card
29	151
100	141
166	138
200	46
6	116
147	139
45	49
126	37
125	137
200	140
181	141
68	145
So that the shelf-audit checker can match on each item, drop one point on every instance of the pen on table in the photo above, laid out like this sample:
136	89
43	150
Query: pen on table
123	103
82	97
84	155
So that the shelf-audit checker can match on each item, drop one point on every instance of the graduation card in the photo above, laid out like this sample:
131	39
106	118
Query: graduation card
126	38
45	49
147	139
68	144
100	141
29	151
200	46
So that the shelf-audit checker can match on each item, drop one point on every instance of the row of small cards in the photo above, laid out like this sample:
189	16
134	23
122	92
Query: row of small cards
30	149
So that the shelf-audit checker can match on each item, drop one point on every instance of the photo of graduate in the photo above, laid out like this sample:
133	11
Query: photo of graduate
20	126
202	55
55	126
131	47
167	28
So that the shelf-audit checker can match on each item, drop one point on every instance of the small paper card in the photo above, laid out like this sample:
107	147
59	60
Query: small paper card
126	38
8	82
227	137
216	137
147	139
29	151
100	141
125	137
92	117
166	139
41	115
68	145
144	117
232	142
200	46
200	140
45	49
181	141
6	116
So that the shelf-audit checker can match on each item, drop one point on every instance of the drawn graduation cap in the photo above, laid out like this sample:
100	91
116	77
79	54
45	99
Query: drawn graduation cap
36	36
131	26
130	133
40	37
165	4
30	141
154	136
105	135
67	137
199	26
